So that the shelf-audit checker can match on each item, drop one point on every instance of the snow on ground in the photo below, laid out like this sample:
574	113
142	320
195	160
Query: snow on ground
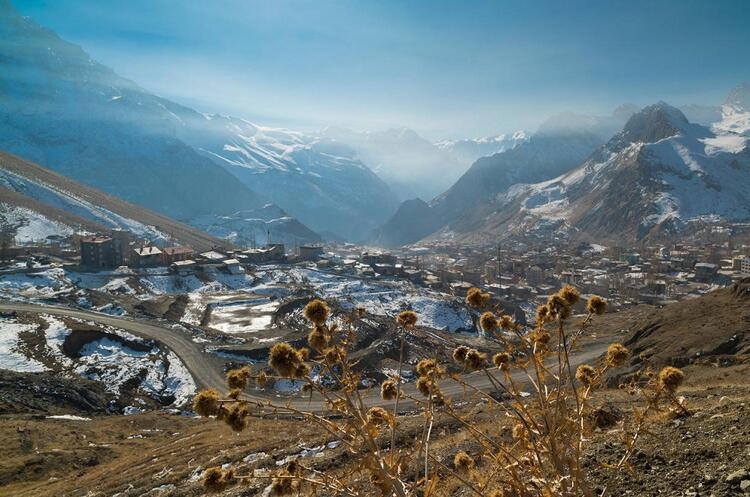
44	284
387	298
109	360
30	226
10	356
243	316
69	417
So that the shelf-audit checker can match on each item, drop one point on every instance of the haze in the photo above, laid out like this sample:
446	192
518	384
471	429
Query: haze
446	69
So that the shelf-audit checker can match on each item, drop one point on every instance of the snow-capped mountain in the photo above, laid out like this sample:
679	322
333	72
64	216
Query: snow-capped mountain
469	150
63	110
560	143
651	179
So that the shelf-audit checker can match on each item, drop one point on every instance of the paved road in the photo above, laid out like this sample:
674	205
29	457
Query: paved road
206	368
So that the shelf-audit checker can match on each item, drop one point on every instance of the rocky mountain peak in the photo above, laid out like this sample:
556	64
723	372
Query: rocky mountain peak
654	123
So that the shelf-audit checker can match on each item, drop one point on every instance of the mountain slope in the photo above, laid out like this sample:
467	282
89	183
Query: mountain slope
319	181
648	181
27	186
63	110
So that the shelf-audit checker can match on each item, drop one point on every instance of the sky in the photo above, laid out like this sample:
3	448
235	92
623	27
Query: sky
446	69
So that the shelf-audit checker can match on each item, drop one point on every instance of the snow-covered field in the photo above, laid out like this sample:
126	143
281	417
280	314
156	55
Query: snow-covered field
30	226
10	356
114	359
386	298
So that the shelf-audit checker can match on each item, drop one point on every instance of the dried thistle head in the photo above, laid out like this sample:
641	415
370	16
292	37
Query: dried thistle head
206	402
378	416
237	378
488	321
234	394
670	378
334	355
540	336
459	353
506	322
542	314
407	319
617	354
317	338
559	308
596	305
476	298
475	360
284	485
317	311
426	367
389	390
570	294
424	384
586	375
501	360
463	462
285	360
216	479
261	379
237	417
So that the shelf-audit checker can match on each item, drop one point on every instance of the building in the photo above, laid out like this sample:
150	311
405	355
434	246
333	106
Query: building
273	252
174	254
309	252
97	252
705	272
146	257
233	266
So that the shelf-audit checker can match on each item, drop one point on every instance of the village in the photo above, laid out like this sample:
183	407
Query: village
523	272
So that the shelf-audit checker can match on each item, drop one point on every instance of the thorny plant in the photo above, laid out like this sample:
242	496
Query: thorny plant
542	454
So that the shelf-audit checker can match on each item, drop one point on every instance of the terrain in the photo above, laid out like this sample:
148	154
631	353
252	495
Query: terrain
155	453
683	172
65	111
560	143
75	206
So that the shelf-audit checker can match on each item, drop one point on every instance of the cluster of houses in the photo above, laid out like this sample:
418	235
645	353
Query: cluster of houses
117	249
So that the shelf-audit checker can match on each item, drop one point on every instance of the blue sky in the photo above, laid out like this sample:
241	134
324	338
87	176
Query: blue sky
446	69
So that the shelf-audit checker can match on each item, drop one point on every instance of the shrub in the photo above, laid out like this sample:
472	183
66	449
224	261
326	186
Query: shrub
543	453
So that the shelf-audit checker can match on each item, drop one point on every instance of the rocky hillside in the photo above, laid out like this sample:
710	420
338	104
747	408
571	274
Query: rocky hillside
681	172
36	203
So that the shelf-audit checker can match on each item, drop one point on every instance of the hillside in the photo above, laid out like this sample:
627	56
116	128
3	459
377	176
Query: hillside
62	200
681	171
707	328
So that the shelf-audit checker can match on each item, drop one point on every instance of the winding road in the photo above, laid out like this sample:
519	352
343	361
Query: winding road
206	368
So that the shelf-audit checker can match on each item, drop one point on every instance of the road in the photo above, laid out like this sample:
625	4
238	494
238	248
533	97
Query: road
206	368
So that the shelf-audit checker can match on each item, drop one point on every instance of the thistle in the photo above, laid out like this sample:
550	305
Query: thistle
596	305
317	311
407	319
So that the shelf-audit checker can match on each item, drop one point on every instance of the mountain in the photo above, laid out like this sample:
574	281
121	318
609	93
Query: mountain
411	165
648	182
63	110
469	150
317	180
561	143
735	113
36	203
